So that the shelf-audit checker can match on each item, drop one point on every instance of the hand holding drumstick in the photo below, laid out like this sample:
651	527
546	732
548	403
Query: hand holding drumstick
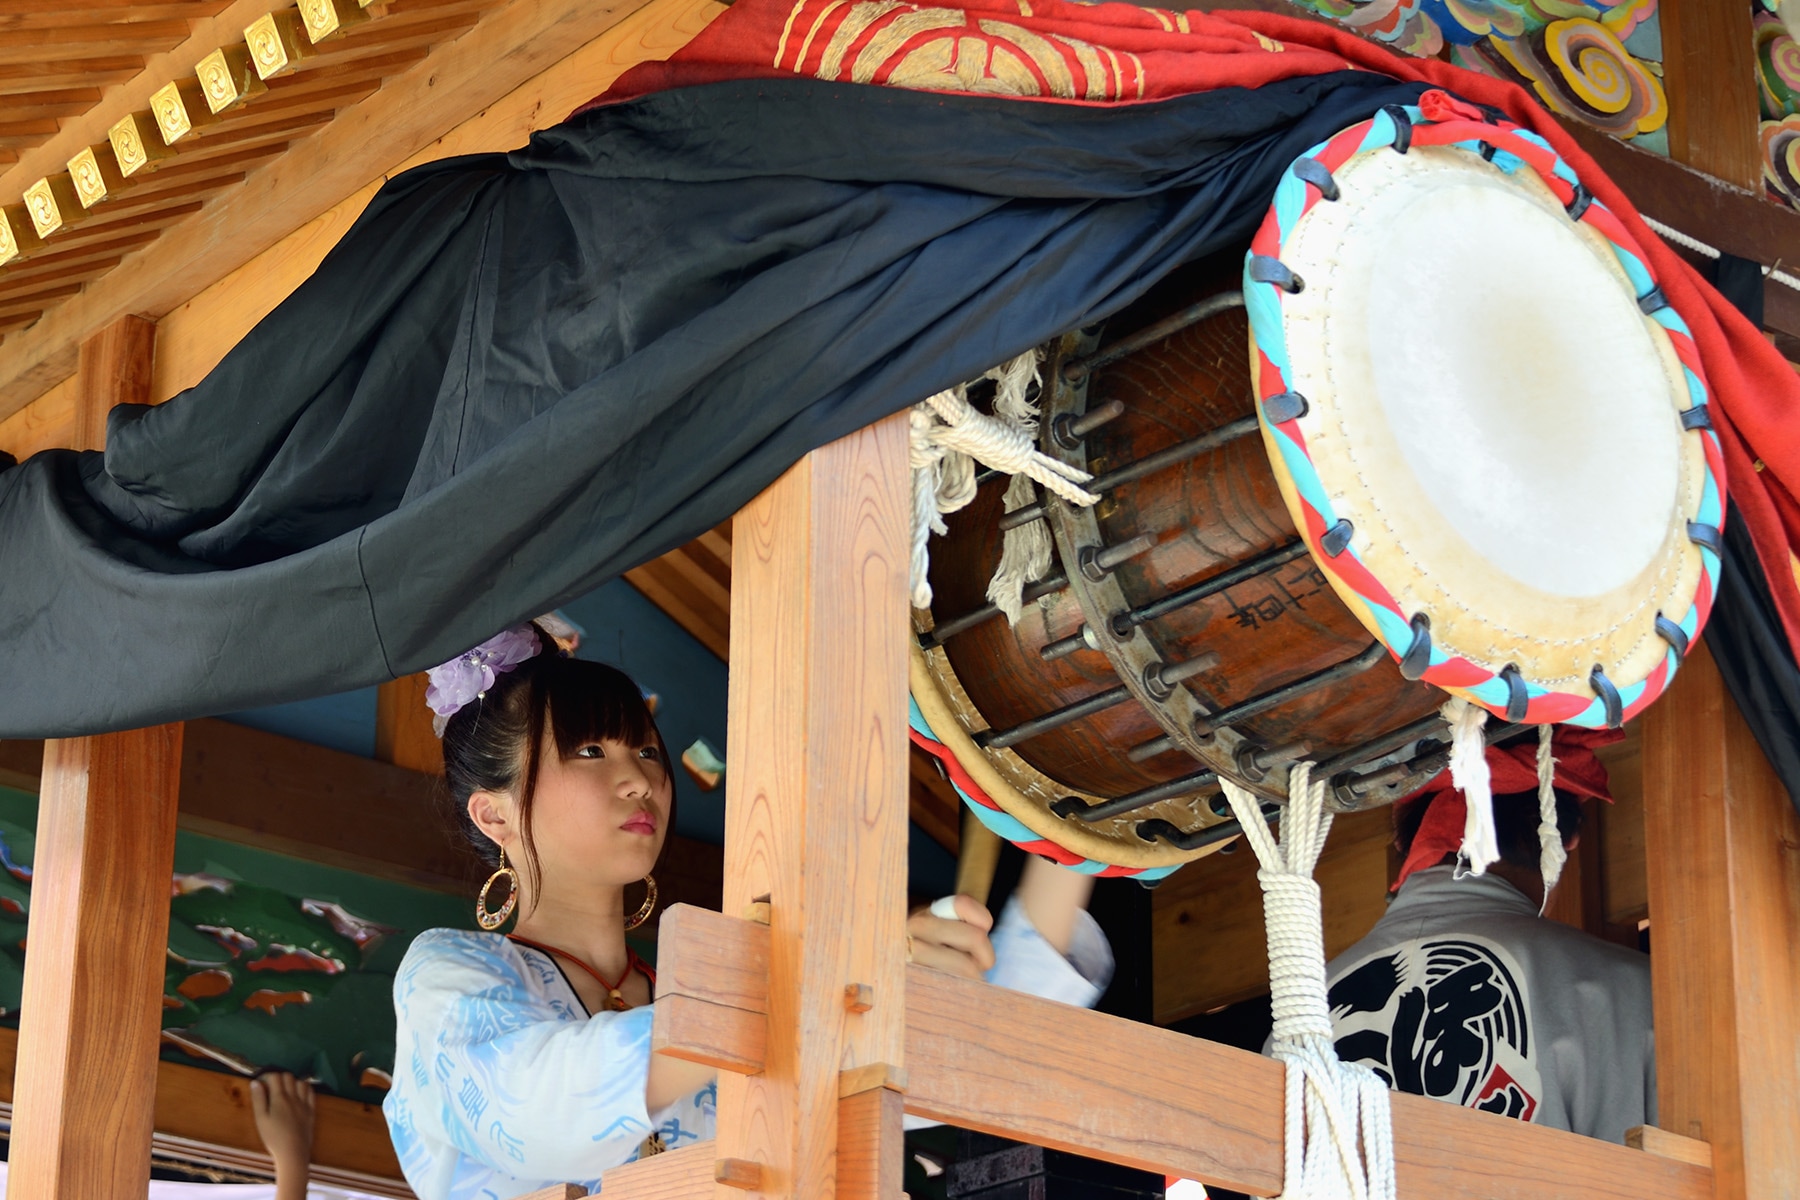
952	934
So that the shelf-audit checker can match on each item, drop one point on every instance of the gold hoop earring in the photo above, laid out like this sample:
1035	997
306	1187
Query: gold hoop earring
644	910
491	921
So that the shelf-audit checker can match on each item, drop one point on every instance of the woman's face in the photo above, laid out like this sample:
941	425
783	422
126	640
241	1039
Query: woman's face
601	814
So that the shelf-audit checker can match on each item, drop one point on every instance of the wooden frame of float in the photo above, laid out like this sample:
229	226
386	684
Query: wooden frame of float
799	991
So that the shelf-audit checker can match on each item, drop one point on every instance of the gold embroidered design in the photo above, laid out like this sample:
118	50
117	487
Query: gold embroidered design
946	49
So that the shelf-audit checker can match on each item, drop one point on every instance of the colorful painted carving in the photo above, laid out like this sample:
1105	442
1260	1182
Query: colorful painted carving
268	1000
1598	63
704	765
296	958
297	975
1778	79
204	985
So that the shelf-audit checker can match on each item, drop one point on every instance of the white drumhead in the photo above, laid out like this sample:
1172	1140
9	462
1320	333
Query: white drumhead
1493	413
1519	405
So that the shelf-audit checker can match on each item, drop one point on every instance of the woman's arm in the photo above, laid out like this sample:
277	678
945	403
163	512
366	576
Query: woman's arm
1045	944
673	1079
1054	899
487	1065
282	1107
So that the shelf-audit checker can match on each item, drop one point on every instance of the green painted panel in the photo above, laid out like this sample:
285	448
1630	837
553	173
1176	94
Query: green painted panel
273	960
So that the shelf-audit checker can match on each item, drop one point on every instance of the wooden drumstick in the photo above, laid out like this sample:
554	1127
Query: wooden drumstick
976	860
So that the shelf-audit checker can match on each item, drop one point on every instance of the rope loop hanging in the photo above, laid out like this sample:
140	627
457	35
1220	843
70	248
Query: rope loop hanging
1338	1143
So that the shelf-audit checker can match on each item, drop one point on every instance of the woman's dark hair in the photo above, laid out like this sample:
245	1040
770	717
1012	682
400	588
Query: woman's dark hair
1515	825
494	743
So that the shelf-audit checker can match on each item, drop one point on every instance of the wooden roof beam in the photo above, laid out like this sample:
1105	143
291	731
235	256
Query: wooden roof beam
452	84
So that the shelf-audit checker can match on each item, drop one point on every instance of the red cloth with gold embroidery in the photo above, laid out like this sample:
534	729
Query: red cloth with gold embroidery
1112	53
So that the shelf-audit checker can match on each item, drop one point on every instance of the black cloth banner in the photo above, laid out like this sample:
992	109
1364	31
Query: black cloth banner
1746	634
519	375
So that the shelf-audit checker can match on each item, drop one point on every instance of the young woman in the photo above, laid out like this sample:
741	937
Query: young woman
523	1059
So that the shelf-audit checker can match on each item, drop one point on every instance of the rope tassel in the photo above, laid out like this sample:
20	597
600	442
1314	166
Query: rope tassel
1551	855
1469	770
948	437
1338	1142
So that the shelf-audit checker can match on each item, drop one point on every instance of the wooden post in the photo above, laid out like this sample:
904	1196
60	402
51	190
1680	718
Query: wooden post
1709	74
1723	848
816	808
115	369
403	732
85	1090
84	1093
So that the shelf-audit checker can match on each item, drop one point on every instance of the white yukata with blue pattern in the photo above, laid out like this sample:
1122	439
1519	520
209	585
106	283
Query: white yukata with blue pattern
503	1084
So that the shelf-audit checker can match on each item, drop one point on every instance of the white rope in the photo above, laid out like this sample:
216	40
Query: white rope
1551	854
948	437
1338	1143
1469	771
1701	248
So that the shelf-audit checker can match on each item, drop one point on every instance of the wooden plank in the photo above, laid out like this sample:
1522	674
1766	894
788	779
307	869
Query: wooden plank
1709	73
1092	1084
870	1130
261	789
1624	901
1737	220
819	582
83	1097
115	369
1652	1140
1210	948
1723	845
704	614
403	726
675	1175
454	83
49	422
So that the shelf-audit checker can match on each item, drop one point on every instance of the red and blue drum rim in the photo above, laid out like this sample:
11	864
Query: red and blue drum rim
1511	149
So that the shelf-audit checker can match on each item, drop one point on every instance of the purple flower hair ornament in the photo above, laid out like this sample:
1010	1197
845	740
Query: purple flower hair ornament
468	676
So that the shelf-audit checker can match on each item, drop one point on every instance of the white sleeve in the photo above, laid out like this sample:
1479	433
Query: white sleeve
1025	962
501	1075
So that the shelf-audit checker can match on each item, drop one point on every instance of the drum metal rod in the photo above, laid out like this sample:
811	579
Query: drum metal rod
1087	814
1150	749
1002	738
1081	639
1076	369
1255	762
1432	726
1123	623
1156	828
1290	691
945	630
1068	429
1180	452
1350	793
1160	678
1097	562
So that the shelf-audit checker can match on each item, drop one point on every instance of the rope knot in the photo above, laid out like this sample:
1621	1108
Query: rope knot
1339	1138
948	436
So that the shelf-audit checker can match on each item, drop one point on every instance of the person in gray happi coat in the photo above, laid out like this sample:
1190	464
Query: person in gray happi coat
1465	993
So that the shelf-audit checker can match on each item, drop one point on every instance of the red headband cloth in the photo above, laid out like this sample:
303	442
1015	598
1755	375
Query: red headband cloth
1514	768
